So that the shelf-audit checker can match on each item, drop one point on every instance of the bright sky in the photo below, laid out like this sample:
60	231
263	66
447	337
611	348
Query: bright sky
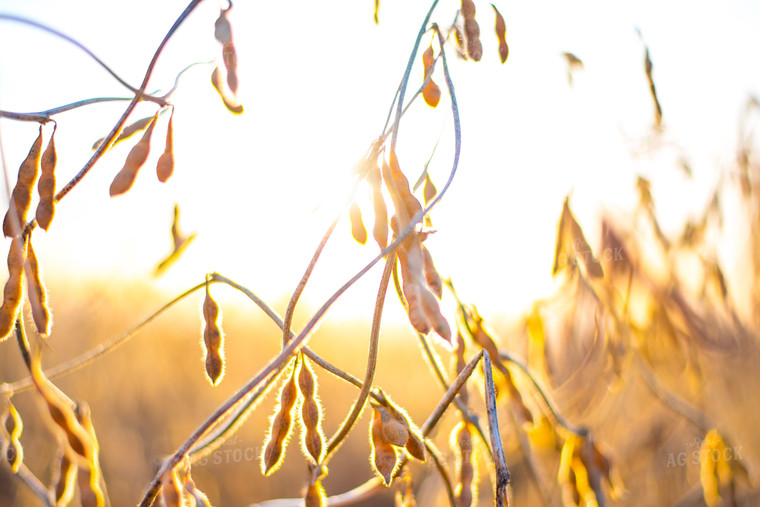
317	82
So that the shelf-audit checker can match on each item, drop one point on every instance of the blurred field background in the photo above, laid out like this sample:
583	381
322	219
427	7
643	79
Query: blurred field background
663	349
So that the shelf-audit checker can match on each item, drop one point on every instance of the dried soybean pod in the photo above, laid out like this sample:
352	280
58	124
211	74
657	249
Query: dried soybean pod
135	159
12	426
222	28
90	490
78	439
230	63
46	185
229	103
22	192
358	231
468	9
433	313
501	34
36	292
213	339
281	425
193	494
315	495
461	441
171	491
380	227
412	440
90	493
165	165
432	277
431	93
384	458
65	480
393	430
13	290
128	131
312	437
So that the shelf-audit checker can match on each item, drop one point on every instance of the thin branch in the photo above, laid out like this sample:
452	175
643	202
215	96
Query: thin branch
291	309
228	425
450	394
407	73
32	482
95	353
44	116
438	462
374	341
670	400
578	430
502	471
138	93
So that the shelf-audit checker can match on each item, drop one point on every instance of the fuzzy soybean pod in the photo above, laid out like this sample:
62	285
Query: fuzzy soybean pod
431	93
46	185
380	227
384	455
36	292
501	34
80	442
358	231
65	480
22	192
213	340
461	441
471	31
135	159
315	495
13	290
165	165
171	490
281	425
11	427
312	436
432	277
90	489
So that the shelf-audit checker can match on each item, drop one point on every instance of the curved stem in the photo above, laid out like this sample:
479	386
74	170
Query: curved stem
578	430
44	116
95	353
374	341
407	73
139	95
291	309
18	19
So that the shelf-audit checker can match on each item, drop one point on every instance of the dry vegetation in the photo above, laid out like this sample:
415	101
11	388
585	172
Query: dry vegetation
637	383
